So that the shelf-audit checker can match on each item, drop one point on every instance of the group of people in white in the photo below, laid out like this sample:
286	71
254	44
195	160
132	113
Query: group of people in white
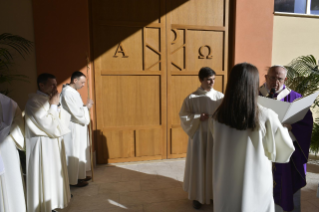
54	134
240	157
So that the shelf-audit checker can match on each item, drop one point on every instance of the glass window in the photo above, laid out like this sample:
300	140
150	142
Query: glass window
314	7
291	6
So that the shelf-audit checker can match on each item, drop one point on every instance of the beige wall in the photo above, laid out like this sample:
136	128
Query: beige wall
17	18
294	37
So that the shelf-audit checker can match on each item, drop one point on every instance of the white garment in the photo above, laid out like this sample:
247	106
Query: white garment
47	174
12	192
242	168
76	142
198	168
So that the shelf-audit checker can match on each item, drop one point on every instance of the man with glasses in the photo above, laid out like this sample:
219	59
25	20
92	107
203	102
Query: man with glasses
290	177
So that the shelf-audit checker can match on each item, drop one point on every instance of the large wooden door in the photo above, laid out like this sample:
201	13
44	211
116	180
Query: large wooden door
146	58
197	37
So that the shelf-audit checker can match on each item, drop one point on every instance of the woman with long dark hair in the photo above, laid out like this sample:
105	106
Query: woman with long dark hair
247	139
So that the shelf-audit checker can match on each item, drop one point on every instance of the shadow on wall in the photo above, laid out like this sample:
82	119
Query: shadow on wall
63	42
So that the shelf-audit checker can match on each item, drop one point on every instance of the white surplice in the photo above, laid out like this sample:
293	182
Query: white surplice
12	191
47	173
198	168
76	142
242	164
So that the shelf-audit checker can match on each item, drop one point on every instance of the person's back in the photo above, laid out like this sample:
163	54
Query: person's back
247	137
242	177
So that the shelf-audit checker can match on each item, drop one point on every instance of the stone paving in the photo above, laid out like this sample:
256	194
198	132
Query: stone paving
155	186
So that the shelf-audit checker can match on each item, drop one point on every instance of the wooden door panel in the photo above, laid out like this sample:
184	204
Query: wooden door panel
124	56
147	55
129	43
197	12
148	142
120	143
205	48
130	101
144	11
179	141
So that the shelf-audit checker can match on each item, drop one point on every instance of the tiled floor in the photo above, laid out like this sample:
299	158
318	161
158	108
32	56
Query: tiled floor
154	186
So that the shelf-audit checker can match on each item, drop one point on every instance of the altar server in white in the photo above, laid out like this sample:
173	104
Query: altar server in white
77	142
196	109
247	138
45	124
12	189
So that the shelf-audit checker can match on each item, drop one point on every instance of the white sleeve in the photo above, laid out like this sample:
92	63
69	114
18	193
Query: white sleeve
17	129
79	113
48	122
190	122
277	142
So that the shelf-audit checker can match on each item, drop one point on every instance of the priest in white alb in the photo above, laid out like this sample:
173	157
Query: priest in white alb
45	124
12	190
196	109
77	142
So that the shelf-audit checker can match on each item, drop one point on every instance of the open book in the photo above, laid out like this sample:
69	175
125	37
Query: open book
289	113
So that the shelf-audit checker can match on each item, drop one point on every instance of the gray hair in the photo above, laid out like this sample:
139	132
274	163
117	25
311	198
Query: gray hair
277	66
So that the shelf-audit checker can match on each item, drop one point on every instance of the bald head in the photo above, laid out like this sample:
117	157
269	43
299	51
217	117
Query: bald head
276	77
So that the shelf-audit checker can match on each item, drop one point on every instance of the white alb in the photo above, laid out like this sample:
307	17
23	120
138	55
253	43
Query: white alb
198	182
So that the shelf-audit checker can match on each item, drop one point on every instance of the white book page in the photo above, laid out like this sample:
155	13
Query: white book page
278	106
289	113
299	108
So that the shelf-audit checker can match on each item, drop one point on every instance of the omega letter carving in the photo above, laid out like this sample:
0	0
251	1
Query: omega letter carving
202	56
120	49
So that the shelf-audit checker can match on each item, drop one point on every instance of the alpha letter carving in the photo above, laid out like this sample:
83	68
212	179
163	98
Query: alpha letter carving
202	56
121	50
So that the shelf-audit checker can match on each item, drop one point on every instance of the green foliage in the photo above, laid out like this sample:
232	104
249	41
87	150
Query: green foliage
10	45
303	77
314	147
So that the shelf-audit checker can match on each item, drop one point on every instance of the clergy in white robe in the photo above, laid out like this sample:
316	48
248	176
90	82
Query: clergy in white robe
12	190
45	124
76	142
247	139
198	168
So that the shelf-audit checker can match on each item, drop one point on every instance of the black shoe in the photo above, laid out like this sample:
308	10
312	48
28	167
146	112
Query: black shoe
71	195
197	205
81	184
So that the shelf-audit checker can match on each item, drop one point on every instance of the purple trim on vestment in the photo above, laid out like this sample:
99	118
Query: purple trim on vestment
290	177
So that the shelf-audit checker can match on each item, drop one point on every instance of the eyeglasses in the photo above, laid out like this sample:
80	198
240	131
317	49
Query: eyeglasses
276	79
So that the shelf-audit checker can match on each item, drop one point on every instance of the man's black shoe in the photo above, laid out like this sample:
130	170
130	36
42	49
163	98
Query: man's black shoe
197	205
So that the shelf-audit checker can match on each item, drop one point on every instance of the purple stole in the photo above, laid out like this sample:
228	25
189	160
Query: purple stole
290	177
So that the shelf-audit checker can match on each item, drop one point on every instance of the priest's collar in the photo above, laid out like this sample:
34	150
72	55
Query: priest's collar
203	90
282	93
68	86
